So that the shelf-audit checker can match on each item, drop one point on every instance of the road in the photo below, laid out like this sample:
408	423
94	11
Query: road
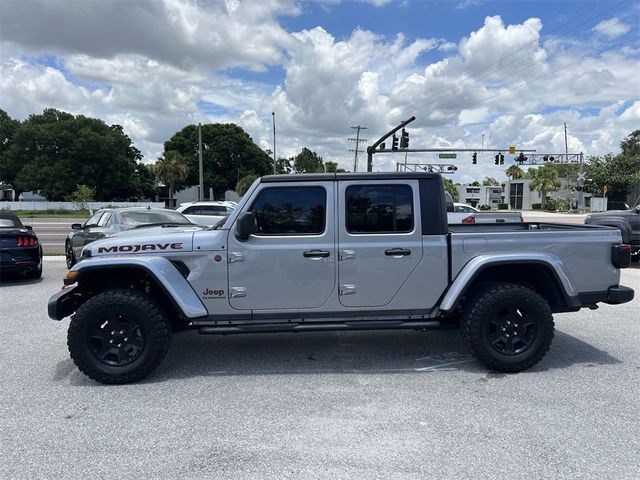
53	231
340	405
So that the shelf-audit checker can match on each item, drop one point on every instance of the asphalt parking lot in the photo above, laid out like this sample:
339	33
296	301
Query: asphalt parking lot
385	405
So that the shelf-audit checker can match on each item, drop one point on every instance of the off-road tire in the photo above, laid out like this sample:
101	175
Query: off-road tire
489	308
114	306
69	255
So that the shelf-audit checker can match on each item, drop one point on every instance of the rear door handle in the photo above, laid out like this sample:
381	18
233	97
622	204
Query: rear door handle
316	254
395	252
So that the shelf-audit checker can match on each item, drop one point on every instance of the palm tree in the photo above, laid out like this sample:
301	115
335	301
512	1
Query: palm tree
169	169
544	180
514	172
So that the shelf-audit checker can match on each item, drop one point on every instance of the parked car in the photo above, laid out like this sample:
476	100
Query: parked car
206	213
323	252
480	216
111	221
627	221
20	249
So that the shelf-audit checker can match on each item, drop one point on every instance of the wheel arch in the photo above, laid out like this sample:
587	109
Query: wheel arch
162	279
546	276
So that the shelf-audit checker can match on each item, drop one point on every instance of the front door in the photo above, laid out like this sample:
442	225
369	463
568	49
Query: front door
290	263
379	239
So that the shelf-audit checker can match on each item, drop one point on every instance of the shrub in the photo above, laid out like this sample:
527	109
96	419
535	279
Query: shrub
536	206
503	206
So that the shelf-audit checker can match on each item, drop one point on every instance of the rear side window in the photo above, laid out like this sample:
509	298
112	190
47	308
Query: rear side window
290	210
379	208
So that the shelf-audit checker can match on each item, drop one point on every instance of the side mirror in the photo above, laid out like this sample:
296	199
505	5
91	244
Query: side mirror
246	225
76	226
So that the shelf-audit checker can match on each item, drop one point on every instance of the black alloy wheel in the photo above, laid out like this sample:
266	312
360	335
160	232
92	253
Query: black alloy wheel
116	339
508	327
69	255
118	336
510	330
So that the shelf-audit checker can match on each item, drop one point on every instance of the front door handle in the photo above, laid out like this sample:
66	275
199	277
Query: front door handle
395	252
316	254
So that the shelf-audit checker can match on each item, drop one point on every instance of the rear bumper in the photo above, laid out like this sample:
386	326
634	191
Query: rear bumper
613	296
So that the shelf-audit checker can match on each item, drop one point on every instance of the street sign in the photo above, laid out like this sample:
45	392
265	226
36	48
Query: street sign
447	155
582	176
512	150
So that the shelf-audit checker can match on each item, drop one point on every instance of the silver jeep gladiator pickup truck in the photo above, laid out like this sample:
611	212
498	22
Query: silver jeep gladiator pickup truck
332	251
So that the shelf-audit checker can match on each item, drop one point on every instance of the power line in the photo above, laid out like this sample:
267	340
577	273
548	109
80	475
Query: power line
478	78
357	141
507	89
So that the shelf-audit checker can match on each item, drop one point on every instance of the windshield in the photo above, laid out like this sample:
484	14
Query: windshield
134	218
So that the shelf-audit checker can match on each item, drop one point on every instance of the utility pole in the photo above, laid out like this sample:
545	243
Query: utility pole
201	189
358	141
273	115
566	146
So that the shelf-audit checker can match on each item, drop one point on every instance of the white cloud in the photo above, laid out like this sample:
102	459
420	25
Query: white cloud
499	80
612	28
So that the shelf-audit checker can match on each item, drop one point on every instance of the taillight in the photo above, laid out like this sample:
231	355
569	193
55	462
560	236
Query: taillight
621	256
27	241
470	219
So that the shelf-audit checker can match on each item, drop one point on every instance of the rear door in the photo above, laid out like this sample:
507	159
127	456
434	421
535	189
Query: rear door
379	239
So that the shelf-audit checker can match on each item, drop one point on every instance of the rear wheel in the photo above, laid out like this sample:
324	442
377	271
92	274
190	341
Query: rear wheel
118	336
508	327
69	255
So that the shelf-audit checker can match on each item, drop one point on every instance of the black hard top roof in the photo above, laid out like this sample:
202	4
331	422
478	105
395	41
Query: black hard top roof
316	177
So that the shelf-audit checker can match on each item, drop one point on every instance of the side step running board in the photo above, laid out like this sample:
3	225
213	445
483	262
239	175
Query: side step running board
318	327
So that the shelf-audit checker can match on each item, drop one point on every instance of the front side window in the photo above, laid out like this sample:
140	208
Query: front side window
105	218
290	211
93	221
379	209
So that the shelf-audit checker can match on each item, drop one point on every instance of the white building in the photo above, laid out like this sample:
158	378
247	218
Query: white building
517	195
482	195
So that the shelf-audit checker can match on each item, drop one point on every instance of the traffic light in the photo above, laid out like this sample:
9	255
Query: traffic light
497	159
474	158
545	158
579	188
552	158
521	158
394	145
404	139
501	159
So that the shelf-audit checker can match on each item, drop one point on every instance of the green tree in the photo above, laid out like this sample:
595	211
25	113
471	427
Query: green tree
244	183
475	183
617	172
490	182
543	181
171	169
514	172
333	167
82	196
9	167
451	187
228	153
144	182
55	151
307	161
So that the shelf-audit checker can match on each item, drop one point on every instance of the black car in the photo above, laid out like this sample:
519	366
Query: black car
111	221
20	249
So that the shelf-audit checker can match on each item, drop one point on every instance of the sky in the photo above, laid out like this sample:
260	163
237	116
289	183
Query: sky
472	72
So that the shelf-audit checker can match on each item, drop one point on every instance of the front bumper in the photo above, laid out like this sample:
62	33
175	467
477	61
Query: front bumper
613	296
63	303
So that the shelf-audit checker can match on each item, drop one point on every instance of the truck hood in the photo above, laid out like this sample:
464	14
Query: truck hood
145	240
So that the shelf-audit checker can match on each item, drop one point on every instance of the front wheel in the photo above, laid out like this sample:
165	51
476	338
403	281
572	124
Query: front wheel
508	327
69	255
118	336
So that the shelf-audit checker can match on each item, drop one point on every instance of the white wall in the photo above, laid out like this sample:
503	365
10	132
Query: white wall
72	206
